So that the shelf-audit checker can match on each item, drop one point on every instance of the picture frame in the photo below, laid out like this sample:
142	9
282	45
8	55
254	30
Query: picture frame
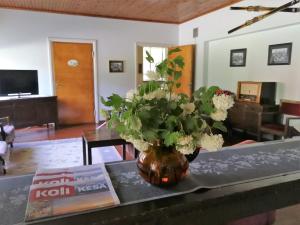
116	66
280	54
238	57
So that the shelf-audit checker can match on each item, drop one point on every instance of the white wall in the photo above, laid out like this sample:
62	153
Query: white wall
24	44
256	69
216	25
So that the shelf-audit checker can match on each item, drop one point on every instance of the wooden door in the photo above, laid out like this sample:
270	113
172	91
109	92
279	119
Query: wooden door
187	78
74	82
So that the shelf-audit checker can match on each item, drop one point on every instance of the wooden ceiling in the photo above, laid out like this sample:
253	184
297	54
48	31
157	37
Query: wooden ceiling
165	11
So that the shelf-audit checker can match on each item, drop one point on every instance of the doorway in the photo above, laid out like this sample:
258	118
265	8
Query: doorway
73	75
159	53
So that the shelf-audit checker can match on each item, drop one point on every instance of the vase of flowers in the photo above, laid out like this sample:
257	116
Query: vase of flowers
165	125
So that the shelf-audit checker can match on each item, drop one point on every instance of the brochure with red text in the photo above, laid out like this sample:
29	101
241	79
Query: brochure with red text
69	190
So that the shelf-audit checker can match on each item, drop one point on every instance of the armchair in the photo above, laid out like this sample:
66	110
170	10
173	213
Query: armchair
288	108
3	155
7	131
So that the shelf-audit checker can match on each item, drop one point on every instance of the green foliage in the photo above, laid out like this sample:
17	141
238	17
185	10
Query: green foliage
172	51
159	116
170	138
149	58
220	126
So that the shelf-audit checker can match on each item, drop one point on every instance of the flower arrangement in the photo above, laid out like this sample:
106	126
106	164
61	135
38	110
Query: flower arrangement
155	115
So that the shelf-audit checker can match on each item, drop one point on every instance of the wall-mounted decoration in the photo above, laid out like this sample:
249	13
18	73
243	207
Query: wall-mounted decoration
238	57
280	54
116	66
73	63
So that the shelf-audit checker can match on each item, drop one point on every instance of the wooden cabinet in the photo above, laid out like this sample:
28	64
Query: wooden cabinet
244	116
257	92
31	111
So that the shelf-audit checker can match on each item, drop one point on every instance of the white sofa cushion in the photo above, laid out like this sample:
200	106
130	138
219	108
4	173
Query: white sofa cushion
3	148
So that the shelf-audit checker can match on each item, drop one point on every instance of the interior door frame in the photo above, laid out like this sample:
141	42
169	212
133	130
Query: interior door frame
51	67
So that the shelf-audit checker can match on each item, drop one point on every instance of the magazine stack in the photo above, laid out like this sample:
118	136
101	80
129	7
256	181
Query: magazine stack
69	190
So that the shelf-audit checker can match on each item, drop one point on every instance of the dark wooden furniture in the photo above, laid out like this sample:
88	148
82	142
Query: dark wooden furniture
30	111
204	207
257	92
244	116
100	138
276	127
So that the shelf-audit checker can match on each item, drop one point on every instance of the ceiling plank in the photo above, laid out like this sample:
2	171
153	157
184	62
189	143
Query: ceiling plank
163	11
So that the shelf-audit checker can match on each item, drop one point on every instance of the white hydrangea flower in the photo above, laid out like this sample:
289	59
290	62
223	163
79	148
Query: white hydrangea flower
186	149
223	101
126	138
152	75
130	95
212	142
140	145
185	140
219	115
185	145
188	108
136	124
174	97
158	94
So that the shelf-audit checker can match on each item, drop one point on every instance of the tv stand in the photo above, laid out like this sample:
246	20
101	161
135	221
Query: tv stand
30	111
19	95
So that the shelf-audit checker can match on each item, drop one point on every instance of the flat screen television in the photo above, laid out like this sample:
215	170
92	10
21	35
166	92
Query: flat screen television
18	82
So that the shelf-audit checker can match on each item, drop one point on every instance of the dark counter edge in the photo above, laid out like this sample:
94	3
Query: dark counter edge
205	207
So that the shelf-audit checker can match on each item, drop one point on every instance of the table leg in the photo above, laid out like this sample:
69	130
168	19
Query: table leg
84	151
136	153
124	151
90	160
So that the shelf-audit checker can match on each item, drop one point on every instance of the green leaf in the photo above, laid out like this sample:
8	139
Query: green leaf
162	67
211	92
179	61
207	108
150	134
177	75
178	85
190	124
171	138
114	100
199	92
172	105
170	71
149	86
149	58
220	126
171	122
170	52
144	115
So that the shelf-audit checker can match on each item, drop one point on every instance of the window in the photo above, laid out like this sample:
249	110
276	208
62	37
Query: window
158	54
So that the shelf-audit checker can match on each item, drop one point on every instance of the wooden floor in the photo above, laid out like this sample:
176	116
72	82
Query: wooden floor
42	133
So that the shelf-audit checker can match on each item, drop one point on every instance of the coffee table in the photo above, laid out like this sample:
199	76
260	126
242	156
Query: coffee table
100	137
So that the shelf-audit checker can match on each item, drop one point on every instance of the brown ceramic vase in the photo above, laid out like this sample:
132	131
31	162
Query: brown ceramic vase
162	167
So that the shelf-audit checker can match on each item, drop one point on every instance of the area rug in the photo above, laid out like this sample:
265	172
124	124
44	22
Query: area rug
27	157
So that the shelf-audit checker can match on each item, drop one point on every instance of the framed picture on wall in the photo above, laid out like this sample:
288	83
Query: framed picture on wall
116	66
238	57
280	54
